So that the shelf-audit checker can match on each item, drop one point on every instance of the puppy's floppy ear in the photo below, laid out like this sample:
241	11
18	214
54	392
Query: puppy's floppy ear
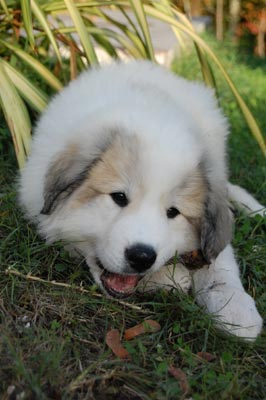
216	226
65	174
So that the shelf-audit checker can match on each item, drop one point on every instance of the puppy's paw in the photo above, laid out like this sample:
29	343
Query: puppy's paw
168	277
72	251
235	311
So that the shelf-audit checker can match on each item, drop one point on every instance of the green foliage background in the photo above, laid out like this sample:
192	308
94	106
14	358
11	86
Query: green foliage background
32	68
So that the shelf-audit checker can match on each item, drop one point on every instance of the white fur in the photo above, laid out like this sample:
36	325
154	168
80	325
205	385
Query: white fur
140	97
243	200
219	289
178	125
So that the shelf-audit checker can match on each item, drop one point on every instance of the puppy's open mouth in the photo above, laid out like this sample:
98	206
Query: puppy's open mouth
118	285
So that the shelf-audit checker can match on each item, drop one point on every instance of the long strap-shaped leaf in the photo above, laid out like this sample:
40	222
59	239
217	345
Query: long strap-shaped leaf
55	6
27	18
137	7
206	70
105	32
171	10
82	32
133	36
255	130
42	71
16	116
4	6
37	99
39	14
164	5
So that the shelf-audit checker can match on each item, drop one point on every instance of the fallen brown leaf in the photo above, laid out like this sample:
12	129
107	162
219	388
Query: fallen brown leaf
113	341
181	377
148	325
206	356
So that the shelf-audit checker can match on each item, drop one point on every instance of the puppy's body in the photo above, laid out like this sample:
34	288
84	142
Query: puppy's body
128	164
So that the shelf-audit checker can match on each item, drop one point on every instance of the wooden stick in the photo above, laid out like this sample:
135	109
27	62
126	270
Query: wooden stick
29	277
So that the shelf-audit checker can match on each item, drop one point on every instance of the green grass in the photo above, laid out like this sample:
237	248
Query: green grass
52	340
247	164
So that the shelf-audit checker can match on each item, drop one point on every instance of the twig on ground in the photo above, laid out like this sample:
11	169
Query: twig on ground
29	277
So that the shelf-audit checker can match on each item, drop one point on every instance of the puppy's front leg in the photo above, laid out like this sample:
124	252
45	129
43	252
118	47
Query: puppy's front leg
219	289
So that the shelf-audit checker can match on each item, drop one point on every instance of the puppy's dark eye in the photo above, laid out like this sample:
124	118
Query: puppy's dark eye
172	212
119	198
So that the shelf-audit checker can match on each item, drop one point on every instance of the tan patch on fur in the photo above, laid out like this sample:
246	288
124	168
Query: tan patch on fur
61	164
192	195
114	170
62	177
117	170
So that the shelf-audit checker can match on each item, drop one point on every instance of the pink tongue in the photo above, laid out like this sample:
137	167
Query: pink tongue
121	283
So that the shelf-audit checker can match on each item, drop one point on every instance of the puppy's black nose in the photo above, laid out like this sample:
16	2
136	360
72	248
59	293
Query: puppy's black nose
140	257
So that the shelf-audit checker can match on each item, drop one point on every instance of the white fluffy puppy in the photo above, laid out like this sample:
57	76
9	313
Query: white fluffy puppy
128	165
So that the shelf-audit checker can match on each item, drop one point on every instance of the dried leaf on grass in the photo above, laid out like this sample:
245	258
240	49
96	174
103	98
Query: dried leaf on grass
113	336
206	356
181	377
148	325
113	341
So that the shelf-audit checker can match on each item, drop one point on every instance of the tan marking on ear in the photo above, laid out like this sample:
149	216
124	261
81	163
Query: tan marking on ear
192	195
115	169
60	163
64	174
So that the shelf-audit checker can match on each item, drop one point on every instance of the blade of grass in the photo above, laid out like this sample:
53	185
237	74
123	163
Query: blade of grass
60	6
42	71
27	19
133	36
77	61
43	22
125	44
130	22
250	120
101	39
16	115
206	69
137	7
172	10
82	32
4	6
165	6
34	96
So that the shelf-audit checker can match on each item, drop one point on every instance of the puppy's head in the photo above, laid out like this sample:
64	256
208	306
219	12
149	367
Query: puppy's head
129	205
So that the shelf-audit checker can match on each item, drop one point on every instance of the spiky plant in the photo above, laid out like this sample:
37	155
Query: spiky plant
32	32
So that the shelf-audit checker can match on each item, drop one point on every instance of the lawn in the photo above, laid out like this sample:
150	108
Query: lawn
52	339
